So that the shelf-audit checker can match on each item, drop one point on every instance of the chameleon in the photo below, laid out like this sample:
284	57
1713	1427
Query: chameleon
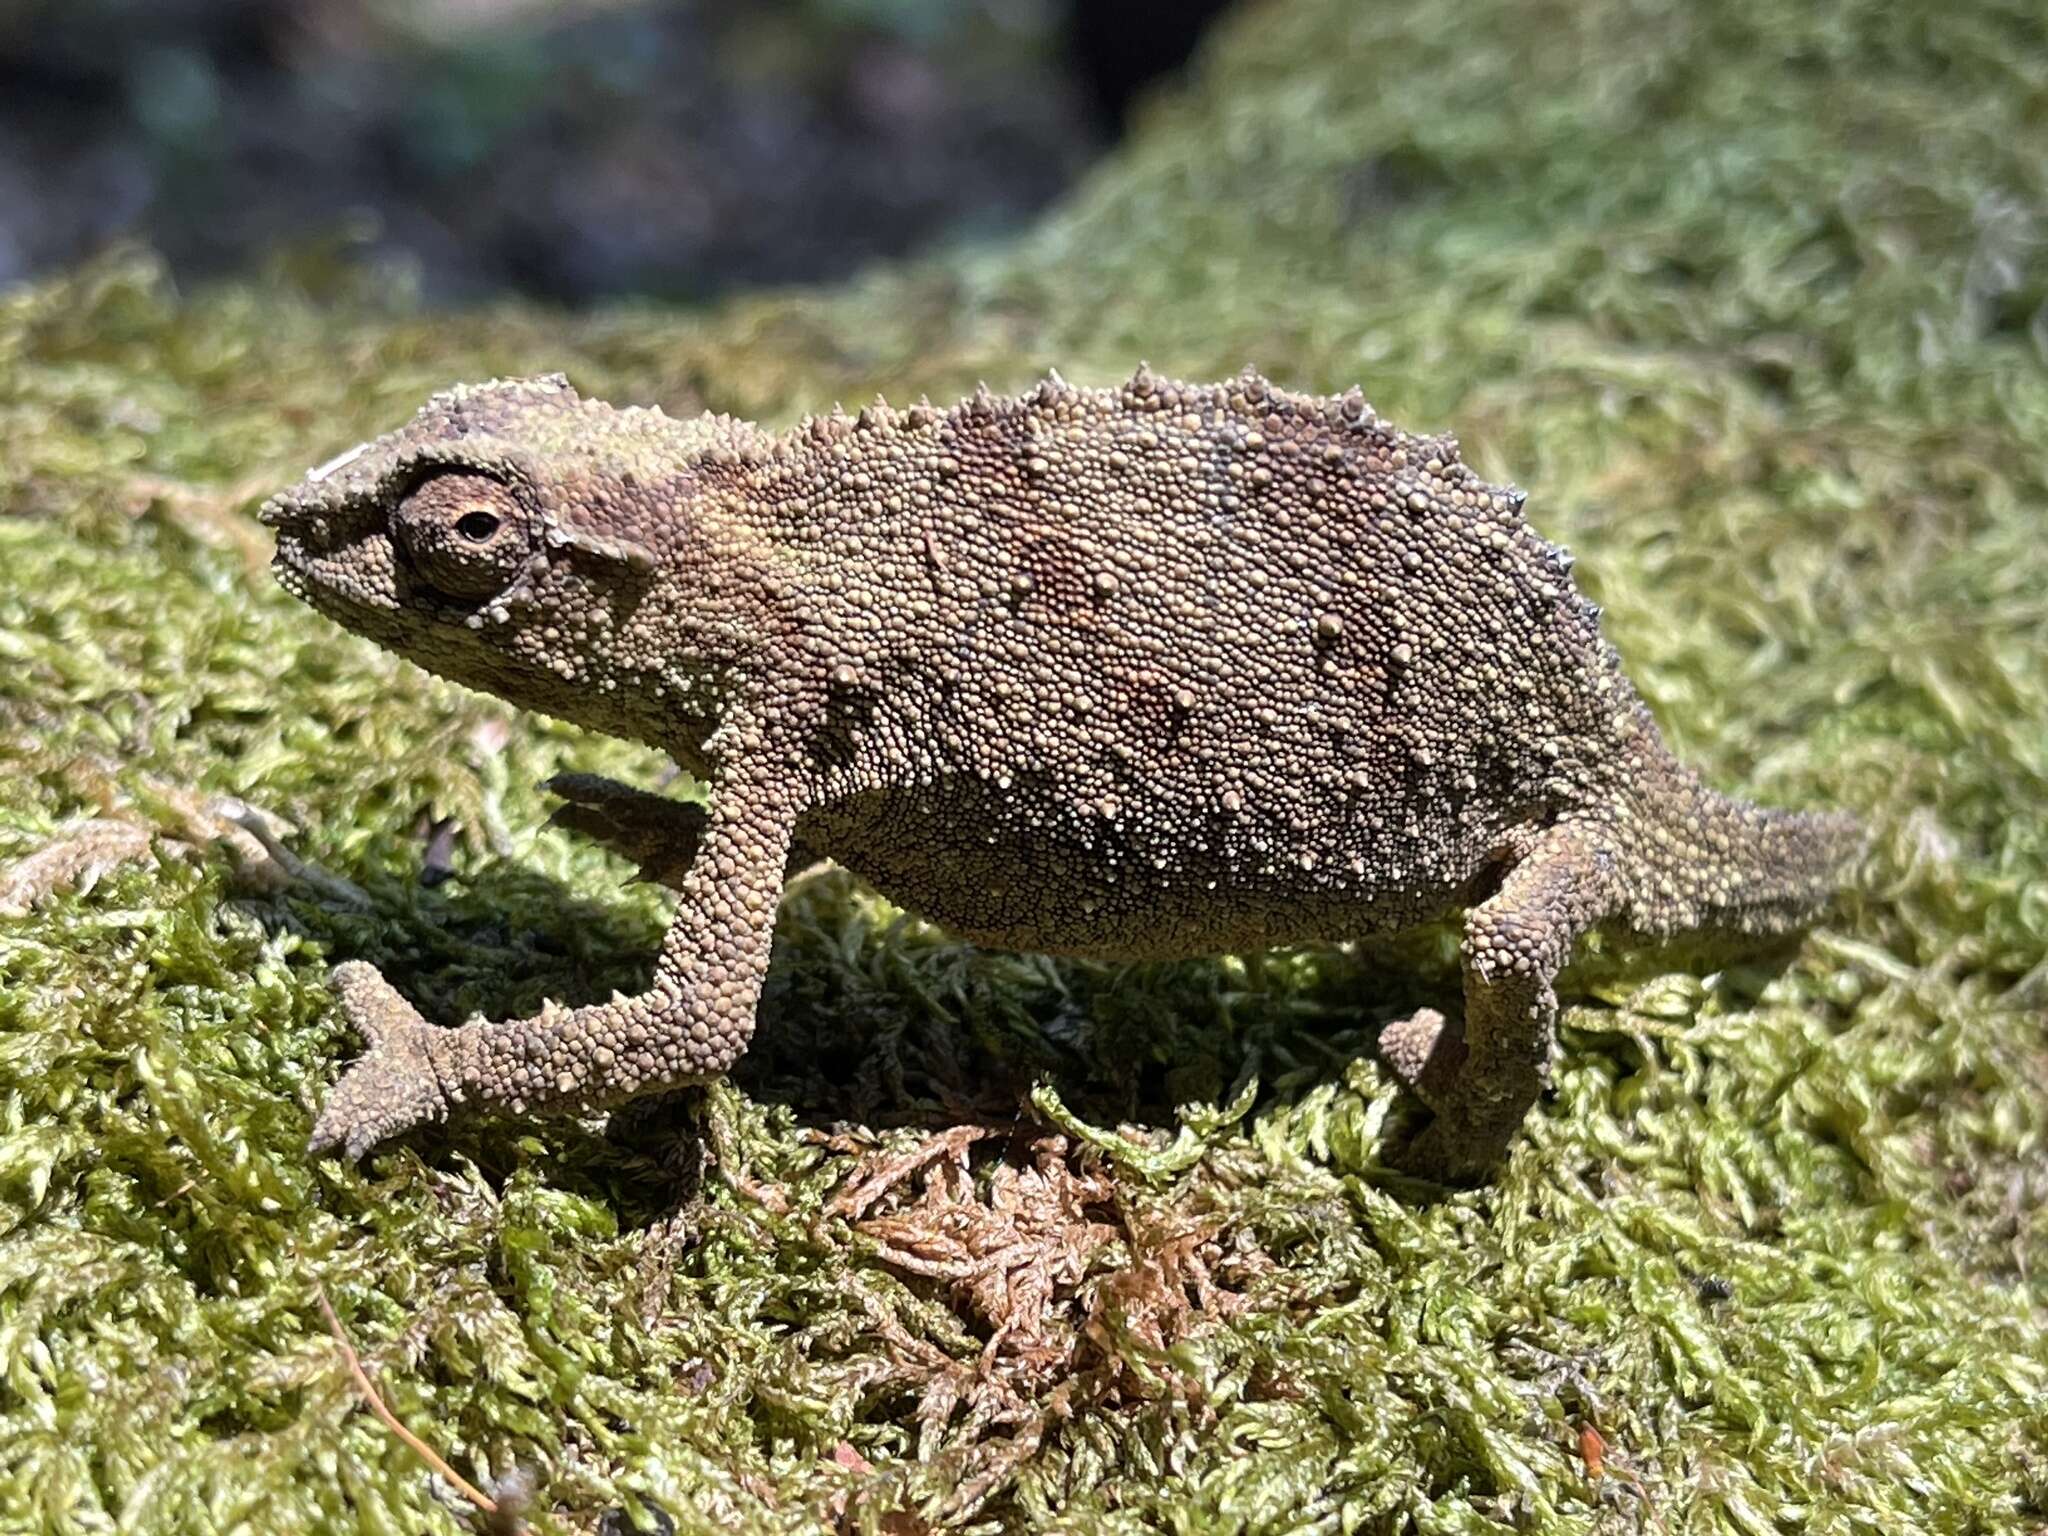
1143	672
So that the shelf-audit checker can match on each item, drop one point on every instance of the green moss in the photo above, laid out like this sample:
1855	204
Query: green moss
1752	295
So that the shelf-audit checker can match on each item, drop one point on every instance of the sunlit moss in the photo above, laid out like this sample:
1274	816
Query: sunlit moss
1751	297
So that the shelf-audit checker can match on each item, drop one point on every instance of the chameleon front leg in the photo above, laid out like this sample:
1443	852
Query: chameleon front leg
656	833
692	1022
1481	1083
652	831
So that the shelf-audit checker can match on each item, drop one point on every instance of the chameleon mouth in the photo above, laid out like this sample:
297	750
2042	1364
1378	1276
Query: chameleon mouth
351	578
333	551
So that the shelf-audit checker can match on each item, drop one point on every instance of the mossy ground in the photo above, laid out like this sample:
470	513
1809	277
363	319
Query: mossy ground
1753	295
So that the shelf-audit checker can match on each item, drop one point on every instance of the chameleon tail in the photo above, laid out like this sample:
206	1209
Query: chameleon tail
1704	860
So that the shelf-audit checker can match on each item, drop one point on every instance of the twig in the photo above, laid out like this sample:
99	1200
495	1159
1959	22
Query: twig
368	1391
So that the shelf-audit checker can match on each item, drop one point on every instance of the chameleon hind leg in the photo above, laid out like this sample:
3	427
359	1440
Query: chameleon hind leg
1480	1081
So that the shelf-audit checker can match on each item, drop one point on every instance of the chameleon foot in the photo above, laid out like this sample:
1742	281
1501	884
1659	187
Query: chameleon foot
1425	1051
1461	1144
395	1085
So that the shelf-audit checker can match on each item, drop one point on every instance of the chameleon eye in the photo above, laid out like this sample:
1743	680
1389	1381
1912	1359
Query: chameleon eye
460	532
477	527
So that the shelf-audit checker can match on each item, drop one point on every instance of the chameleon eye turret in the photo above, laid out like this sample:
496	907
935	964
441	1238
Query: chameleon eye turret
465	534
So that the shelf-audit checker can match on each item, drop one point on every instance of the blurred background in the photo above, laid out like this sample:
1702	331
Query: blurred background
562	149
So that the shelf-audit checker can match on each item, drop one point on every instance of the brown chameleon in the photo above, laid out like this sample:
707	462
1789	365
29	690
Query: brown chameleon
1159	670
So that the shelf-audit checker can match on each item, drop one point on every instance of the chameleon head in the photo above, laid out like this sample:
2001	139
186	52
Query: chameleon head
512	536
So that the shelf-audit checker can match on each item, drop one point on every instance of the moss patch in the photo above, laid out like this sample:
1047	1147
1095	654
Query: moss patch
1753	295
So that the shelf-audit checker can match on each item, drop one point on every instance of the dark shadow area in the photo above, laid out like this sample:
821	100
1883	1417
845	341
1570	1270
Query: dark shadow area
863	1028
910	1028
564	149
907	1028
1119	50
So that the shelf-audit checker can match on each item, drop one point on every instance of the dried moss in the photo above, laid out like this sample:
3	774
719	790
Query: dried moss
1750	294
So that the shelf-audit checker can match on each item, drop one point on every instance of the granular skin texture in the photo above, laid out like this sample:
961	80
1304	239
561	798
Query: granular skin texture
1144	672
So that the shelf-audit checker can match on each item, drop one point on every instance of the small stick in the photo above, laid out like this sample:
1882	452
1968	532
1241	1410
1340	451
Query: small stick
368	1391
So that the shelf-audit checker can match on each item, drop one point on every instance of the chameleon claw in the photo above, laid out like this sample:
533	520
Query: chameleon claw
1425	1051
395	1085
